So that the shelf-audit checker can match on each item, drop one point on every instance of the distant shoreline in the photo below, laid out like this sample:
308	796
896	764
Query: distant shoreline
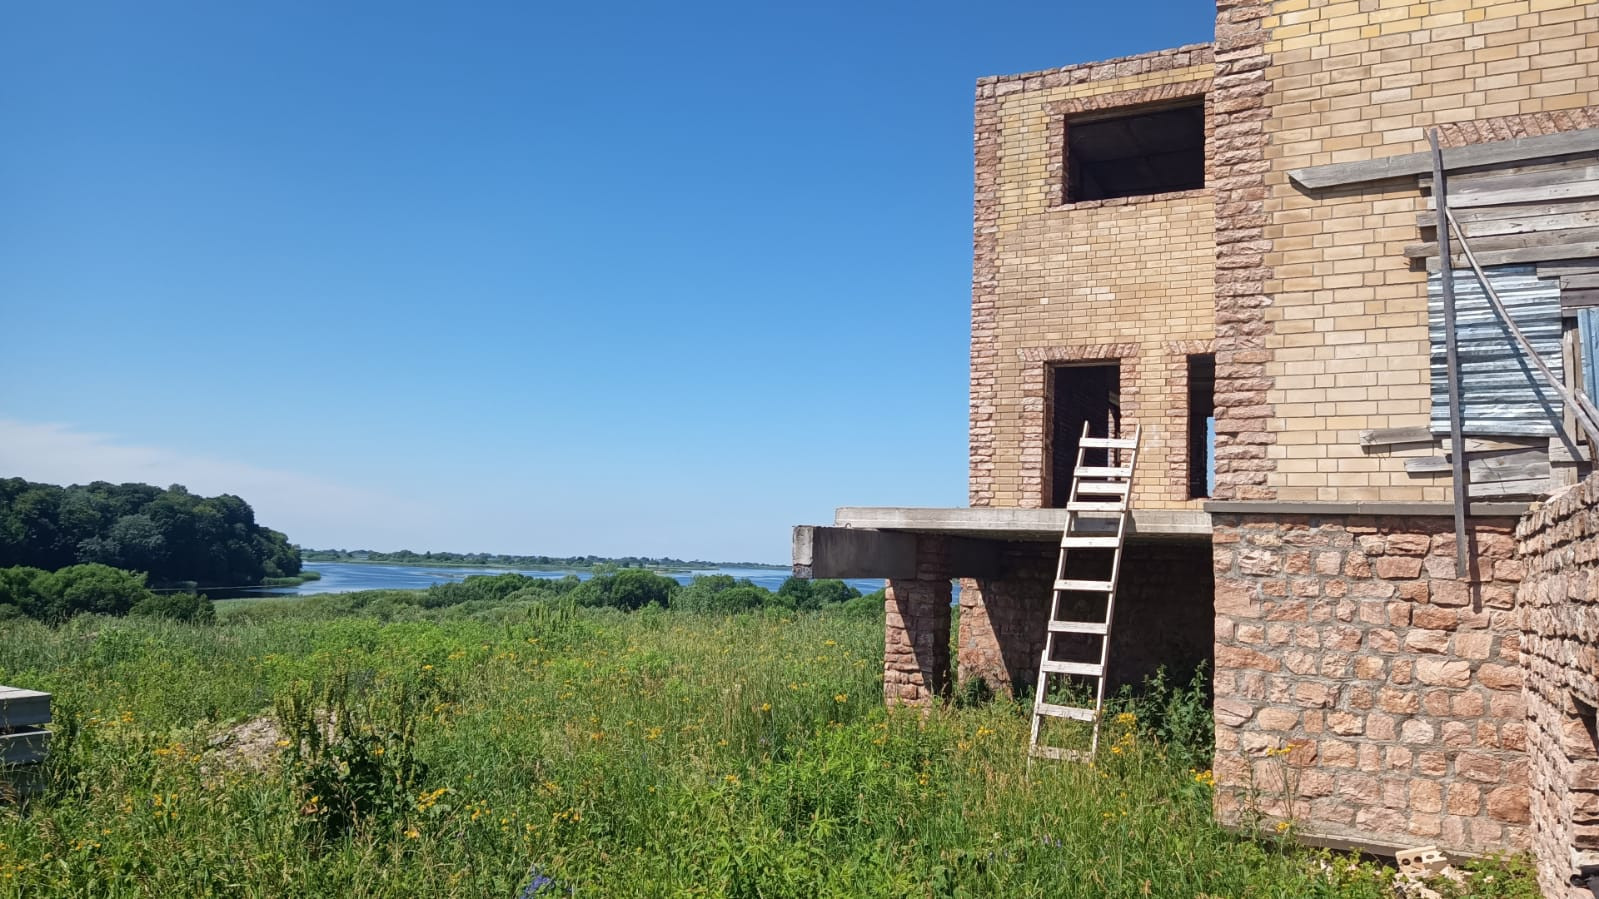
431	563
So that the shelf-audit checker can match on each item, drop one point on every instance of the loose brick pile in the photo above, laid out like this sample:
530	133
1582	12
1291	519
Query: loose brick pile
1559	614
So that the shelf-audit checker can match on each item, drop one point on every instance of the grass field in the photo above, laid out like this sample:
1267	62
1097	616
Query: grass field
297	748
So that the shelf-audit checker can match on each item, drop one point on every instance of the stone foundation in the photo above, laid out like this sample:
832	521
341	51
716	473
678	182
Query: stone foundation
1361	688
1559	614
1163	614
916	628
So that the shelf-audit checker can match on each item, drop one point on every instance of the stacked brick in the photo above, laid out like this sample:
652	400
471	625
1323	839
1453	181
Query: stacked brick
1345	330
916	628
1126	280
1361	689
1559	609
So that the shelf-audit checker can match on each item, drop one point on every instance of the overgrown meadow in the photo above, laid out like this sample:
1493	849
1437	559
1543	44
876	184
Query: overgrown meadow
341	748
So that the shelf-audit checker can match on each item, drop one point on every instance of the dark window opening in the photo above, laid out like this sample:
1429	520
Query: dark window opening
1079	395
1135	152
1201	426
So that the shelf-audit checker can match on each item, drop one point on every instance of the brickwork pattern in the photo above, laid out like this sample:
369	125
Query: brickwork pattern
1558	603
1395	687
1002	621
1347	321
1237	166
916	628
1135	271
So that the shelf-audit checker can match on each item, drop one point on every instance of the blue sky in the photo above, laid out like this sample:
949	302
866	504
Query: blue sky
655	279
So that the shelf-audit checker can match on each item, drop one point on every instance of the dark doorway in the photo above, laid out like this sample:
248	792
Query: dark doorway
1079	395
1201	425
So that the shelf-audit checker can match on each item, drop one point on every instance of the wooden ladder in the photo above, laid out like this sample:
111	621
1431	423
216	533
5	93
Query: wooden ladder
1095	488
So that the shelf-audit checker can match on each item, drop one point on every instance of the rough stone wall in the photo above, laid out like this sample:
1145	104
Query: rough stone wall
1558	604
1128	279
1344	314
1393	686
916	628
1163	614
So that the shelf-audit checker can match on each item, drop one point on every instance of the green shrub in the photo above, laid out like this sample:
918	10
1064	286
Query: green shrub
188	607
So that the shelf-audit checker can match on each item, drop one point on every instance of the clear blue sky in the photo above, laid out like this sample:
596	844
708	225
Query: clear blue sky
655	279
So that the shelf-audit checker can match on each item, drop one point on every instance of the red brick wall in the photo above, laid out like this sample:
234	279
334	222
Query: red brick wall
1559	614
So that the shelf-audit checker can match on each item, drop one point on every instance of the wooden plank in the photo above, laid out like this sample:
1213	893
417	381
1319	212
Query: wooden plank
1495	444
1518	150
1562	267
1532	187
1528	487
1390	436
1561	451
1483	245
1488	221
1586	281
1470	177
24	747
1579	299
23	708
1587	250
1507	467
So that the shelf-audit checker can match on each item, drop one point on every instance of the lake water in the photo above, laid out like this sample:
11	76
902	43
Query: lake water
344	577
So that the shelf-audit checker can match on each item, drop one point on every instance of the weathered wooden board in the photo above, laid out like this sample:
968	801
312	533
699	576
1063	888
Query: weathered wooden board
1495	444
1512	466
24	747
1529	187
1579	282
1528	487
1579	299
1391	436
1561	451
1588	250
1489	221
1519	150
1482	245
23	708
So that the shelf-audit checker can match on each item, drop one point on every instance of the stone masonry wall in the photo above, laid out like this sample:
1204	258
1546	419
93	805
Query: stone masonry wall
1559	614
1344	312
916	628
1126	279
1163	614
1361	688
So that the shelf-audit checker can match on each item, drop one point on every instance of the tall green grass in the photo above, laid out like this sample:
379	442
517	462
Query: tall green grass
455	752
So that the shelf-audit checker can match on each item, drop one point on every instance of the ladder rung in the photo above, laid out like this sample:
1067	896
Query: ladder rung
1082	586
1082	669
1080	627
1108	443
1093	471
1058	754
1063	711
1072	541
1096	507
1102	488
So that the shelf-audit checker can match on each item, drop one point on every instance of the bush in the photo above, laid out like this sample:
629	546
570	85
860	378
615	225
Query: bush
97	588
188	607
627	590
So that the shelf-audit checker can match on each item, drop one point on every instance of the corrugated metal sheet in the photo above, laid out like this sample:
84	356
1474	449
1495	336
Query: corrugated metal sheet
1501	391
1588	332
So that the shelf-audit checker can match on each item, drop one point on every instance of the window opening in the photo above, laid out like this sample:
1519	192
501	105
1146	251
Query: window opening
1201	426
1080	394
1135	152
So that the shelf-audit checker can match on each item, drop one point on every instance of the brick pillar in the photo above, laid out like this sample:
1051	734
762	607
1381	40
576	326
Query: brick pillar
916	628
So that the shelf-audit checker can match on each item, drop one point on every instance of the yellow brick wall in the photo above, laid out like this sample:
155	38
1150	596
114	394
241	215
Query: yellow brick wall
1129	277
1362	79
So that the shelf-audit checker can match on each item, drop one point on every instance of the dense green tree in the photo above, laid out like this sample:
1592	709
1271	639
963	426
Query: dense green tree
629	589
58	595
829	592
172	535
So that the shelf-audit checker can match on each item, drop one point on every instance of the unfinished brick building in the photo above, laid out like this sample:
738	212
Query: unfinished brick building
1233	246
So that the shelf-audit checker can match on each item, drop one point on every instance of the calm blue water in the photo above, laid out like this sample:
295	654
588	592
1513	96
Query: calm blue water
343	577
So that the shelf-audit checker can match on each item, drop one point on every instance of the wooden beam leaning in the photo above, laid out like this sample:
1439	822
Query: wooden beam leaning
1452	355
1520	149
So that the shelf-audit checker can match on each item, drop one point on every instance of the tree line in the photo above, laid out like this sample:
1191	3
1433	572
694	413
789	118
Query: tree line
172	536
408	557
633	589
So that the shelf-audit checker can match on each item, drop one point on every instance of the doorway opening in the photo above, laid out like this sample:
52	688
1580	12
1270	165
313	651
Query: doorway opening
1080	394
